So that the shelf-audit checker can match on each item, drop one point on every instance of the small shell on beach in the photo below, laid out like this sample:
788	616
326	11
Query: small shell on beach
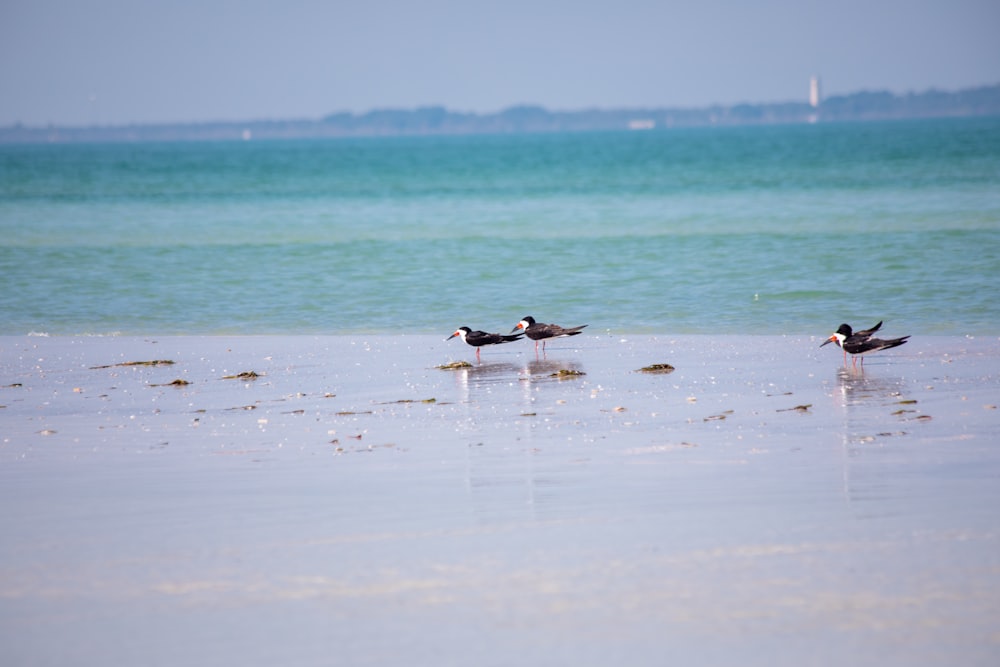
620	408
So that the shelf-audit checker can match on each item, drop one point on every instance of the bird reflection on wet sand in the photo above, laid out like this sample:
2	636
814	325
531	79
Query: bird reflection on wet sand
857	386
485	376
545	369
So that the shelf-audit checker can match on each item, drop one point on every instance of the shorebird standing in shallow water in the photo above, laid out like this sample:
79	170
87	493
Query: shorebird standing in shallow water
859	343
537	331
477	339
865	334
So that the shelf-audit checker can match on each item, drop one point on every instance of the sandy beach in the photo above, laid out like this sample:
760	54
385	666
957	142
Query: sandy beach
343	500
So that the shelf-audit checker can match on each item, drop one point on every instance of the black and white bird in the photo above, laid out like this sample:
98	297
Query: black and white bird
859	343
478	339
538	331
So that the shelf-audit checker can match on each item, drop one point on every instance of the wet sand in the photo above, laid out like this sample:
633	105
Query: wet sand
353	504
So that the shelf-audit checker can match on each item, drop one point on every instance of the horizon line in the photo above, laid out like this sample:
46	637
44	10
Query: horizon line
485	114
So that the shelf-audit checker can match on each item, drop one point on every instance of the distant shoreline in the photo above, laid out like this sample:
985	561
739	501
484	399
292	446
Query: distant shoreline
437	120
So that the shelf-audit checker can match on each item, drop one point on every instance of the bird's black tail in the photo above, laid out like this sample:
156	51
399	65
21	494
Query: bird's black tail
893	342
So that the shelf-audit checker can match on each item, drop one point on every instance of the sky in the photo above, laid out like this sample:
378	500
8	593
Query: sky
115	62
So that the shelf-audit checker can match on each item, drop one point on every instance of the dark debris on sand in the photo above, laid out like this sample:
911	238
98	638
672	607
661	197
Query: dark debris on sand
657	368
154	362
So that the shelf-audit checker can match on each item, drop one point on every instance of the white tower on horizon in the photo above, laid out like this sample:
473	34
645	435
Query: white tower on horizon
814	92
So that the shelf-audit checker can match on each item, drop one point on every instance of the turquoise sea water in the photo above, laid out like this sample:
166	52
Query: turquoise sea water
785	229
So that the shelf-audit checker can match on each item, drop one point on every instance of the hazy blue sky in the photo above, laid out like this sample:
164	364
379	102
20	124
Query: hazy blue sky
137	61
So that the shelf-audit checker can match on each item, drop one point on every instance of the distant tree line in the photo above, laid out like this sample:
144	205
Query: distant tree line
880	105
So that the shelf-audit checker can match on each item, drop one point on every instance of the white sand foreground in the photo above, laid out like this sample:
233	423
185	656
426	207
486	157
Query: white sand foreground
353	504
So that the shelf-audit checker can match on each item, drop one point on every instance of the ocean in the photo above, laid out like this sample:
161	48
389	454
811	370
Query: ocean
760	230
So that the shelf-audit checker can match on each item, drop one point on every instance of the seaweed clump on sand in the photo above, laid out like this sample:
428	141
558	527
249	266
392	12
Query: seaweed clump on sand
797	408
657	368
564	373
455	365
245	375
153	362
179	382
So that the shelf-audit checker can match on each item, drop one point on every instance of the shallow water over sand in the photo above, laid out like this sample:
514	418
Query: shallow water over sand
768	229
331	511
